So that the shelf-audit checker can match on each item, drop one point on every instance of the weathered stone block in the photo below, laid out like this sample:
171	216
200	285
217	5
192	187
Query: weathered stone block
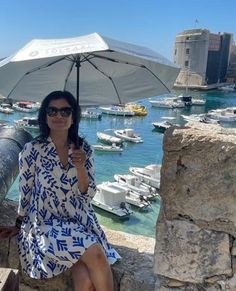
187	253
198	176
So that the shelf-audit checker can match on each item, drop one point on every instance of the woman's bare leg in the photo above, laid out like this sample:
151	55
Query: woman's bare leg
81	278
98	268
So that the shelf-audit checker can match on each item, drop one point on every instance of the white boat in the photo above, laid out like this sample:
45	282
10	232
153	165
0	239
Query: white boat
189	100
200	118
149	174
167	103
231	87
128	134
90	114
107	148
109	139
196	101
26	106
6	108
112	199
223	115
30	122
168	117
132	197
162	126
117	110
186	99
134	183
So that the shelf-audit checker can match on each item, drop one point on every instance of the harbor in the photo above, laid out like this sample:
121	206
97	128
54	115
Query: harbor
134	155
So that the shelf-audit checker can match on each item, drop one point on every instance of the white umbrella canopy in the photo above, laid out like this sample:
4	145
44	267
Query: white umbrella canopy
97	69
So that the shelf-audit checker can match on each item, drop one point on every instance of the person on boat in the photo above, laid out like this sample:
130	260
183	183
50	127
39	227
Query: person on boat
58	229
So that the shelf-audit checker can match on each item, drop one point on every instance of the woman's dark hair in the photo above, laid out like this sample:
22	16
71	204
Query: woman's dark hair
76	115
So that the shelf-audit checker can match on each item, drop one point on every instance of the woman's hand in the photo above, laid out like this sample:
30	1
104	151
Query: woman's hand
78	157
8	231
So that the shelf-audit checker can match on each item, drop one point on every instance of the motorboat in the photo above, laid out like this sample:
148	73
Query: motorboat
149	174
6	108
134	183
117	110
128	134
107	148
26	106
197	101
29	122
200	118
109	139
139	110
223	115
167	103
189	100
111	198
90	114
230	87
162	126
132	197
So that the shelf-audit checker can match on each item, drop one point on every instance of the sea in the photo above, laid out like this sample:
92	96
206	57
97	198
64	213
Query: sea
135	155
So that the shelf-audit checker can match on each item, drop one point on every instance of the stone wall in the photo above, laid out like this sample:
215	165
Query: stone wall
196	228
133	272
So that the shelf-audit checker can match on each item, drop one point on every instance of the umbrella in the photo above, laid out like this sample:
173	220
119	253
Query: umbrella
97	69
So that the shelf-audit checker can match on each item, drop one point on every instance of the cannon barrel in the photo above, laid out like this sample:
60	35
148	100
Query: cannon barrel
12	141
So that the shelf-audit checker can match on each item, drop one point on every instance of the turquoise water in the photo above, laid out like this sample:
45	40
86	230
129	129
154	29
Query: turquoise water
149	152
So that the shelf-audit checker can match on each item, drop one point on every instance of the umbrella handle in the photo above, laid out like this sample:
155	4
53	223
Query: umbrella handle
79	142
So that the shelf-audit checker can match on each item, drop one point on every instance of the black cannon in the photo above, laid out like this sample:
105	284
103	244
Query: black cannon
12	141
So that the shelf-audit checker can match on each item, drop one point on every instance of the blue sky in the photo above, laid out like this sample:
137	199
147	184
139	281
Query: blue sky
150	23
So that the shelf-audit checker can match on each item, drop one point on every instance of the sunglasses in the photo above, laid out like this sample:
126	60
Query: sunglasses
64	111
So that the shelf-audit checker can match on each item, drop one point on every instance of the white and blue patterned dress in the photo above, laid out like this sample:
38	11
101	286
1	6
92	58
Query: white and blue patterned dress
59	223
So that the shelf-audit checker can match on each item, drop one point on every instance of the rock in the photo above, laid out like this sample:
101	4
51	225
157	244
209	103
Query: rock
185	252
198	176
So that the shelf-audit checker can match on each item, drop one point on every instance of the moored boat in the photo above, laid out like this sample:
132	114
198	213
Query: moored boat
112	199
89	114
149	174
6	108
107	148
230	87
162	126
29	122
109	139
26	106
167	103
223	115
128	134
131	197
134	183
138	109
200	118
117	110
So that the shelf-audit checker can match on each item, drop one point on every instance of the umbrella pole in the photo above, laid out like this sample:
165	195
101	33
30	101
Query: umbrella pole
77	95
77	78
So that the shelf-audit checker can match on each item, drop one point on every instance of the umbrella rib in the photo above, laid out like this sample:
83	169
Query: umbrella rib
132	64
67	77
109	77
34	70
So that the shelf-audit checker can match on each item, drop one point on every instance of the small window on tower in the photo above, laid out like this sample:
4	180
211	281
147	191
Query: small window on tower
186	64
187	51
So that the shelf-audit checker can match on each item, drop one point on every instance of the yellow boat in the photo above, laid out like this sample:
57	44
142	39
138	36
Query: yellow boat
137	109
